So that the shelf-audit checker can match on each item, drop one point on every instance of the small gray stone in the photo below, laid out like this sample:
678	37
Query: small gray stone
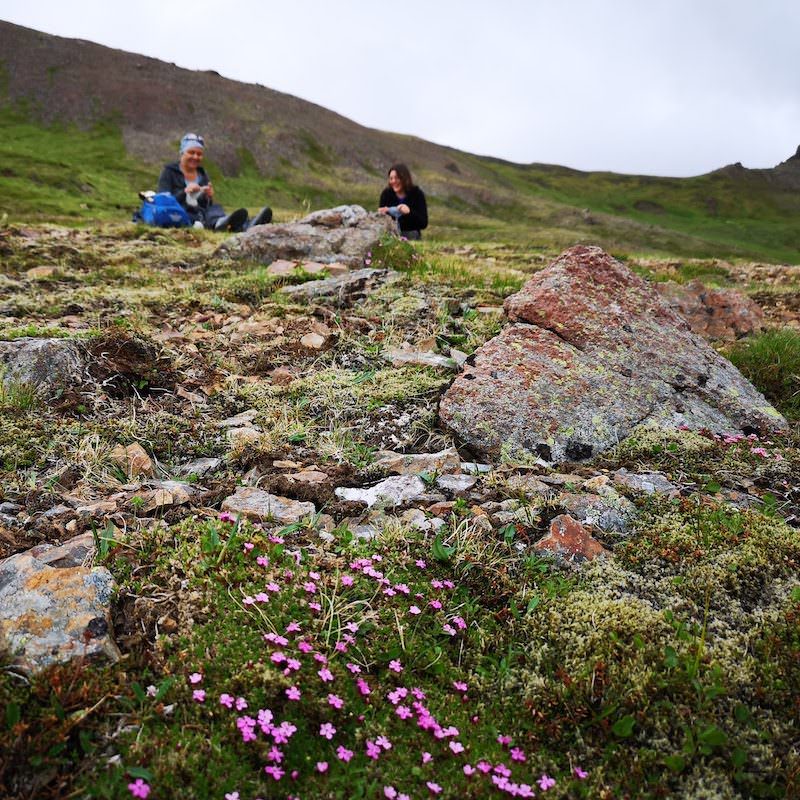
199	467
398	357
647	482
609	513
457	484
394	491
445	461
256	504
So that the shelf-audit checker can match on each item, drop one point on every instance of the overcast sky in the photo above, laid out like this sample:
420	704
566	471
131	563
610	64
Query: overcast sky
662	87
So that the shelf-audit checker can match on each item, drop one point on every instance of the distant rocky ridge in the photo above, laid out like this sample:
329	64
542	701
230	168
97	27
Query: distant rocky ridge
154	102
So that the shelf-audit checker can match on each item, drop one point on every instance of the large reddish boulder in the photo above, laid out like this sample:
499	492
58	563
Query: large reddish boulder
713	313
592	353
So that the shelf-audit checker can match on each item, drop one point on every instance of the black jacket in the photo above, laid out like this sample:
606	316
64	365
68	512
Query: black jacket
171	180
417	219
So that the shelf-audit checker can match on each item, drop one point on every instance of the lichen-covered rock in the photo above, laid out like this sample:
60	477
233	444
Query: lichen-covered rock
343	235
42	363
53	609
261	506
591	354
713	313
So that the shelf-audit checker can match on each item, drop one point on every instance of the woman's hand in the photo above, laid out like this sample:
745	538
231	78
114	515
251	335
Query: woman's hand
209	190
403	209
383	210
193	187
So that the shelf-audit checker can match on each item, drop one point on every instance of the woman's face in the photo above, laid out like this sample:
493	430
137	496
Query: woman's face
395	182
192	158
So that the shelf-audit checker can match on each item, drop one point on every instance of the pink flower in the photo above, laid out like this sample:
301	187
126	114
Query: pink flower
354	668
325	674
275	755
343	754
335	701
275	771
420	563
426	757
436	604
456	747
248	546
199	696
460	686
414	610
580	774
517	754
546	782
231	795
327	730
485	767
195	677
469	770
373	751
226	516
139	788
262	597
363	687
241	704
293	693
322	766
434	788
315	606
226	700
304	647
395	666
449	629
390	792
383	742
404	712
504	740
310	587
262	561
293	627
347	580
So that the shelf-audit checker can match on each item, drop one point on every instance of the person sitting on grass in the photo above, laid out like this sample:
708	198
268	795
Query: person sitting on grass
188	183
404	202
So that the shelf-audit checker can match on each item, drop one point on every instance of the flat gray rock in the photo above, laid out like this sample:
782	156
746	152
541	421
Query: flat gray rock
342	290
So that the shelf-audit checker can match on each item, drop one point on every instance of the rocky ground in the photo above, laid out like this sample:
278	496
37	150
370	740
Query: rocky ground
158	389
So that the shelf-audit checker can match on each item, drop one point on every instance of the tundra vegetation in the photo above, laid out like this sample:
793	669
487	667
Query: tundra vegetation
263	660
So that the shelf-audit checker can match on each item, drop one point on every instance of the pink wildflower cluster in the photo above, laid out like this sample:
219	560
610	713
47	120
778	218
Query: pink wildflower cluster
316	671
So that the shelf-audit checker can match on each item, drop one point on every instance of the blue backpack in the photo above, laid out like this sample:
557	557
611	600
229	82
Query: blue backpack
162	210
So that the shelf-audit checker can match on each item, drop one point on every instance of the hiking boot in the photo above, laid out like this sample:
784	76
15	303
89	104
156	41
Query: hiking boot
234	222
263	217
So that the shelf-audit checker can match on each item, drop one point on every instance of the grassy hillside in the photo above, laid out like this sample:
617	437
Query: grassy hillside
64	173
85	127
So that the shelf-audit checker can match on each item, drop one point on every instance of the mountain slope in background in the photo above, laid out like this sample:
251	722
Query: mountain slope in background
84	126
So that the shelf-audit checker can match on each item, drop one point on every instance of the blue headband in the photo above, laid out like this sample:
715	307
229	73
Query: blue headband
191	140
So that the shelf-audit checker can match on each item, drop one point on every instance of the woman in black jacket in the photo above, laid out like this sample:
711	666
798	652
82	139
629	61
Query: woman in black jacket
405	202
188	183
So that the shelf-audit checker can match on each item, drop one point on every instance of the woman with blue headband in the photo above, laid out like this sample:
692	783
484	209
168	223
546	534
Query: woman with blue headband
188	183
